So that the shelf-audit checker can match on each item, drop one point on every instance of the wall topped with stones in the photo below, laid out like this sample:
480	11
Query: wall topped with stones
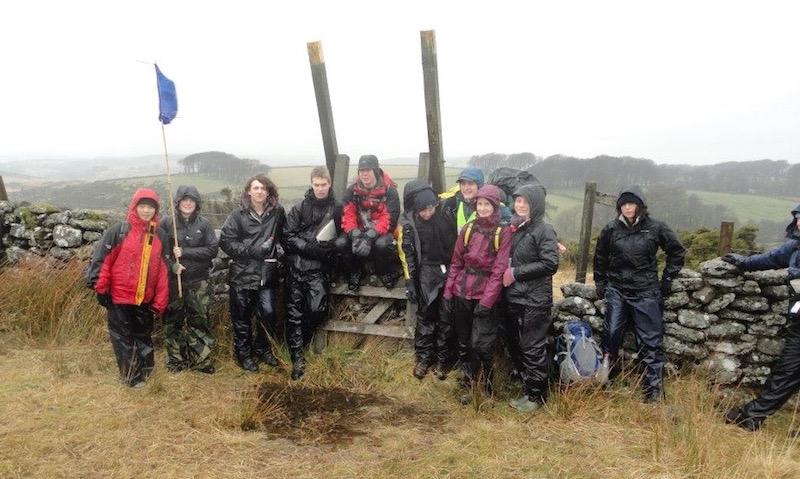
717	318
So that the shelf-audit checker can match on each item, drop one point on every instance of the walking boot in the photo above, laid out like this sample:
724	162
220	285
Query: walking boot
354	282
267	357
298	368
421	370
739	418
248	365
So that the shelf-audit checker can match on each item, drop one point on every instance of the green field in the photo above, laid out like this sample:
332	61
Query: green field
751	208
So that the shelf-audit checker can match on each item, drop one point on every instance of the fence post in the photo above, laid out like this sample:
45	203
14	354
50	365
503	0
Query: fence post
320	78
725	237
430	76
424	166
340	178
3	194
589	196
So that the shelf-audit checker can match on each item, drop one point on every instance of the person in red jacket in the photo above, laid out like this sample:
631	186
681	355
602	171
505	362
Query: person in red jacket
128	271
370	209
473	287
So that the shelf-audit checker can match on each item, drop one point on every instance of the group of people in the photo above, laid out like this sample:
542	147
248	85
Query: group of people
478	264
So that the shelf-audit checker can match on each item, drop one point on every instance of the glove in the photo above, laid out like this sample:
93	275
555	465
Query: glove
480	311
666	287
319	250
362	247
411	291
104	300
734	259
371	234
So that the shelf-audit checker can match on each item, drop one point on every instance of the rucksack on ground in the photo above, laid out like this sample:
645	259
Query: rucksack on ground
578	356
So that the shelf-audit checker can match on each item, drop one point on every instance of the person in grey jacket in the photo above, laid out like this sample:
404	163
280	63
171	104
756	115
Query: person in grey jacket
529	294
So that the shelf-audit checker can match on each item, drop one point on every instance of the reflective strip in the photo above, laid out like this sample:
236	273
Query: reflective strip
144	266
460	219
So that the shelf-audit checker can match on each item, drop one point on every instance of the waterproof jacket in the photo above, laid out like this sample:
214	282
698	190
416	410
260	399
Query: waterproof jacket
625	256
379	205
534	253
303	222
196	238
476	270
242	234
424	243
786	255
129	262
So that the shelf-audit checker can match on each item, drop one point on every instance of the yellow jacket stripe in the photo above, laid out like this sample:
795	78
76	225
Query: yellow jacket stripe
402	254
144	266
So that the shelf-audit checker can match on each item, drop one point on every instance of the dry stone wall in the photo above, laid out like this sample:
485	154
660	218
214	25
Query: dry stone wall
717	318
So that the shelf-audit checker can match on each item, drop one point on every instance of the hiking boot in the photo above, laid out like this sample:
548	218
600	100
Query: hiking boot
138	385
267	358
354	282
248	365
441	372
209	369
421	370
298	369
175	367
389	279
524	404
739	418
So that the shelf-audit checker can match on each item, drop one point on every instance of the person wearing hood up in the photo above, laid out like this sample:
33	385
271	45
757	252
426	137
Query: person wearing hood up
626	275
128	271
528	293
474	284
370	210
426	239
784	377
311	261
460	207
188	330
251	236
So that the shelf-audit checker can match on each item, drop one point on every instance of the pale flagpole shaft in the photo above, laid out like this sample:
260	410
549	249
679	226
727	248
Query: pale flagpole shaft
172	208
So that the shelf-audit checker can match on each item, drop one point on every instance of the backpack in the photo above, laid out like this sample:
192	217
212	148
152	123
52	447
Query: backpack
509	179
578	356
496	236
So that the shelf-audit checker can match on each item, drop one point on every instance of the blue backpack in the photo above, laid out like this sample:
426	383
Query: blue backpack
578	355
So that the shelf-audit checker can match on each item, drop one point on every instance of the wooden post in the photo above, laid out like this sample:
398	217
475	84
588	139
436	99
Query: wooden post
725	237
430	75
340	178
3	194
424	166
320	77
589	196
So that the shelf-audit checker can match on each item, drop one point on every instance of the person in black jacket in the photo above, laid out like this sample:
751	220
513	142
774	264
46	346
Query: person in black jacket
529	294
310	263
427	237
188	334
626	275
251	236
784	377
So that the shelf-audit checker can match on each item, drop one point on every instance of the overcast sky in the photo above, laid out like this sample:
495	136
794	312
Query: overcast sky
677	82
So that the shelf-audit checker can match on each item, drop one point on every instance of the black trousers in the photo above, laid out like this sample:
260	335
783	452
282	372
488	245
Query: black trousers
307	308
477	335
243	303
527	329
434	336
130	329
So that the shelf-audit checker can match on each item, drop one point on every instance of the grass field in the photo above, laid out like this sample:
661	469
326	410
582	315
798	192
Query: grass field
752	208
358	412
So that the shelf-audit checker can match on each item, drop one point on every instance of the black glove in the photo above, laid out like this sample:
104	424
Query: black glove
371	234
319	250
362	247
411	291
666	287
480	312
601	291
734	259
104	300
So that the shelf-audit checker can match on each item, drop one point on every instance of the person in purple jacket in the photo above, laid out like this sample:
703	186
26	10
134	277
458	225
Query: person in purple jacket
473	287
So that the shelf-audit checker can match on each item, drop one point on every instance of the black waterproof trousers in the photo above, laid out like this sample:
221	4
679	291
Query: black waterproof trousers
243	303
644	309
434	336
306	309
477	336
527	329
383	255
130	329
784	379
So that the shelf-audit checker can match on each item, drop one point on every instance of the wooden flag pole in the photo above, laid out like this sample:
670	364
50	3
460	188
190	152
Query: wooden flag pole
172	208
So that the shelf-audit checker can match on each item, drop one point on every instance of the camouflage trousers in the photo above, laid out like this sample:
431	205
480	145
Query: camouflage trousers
187	329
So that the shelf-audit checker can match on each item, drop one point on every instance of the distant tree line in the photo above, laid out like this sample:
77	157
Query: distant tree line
221	165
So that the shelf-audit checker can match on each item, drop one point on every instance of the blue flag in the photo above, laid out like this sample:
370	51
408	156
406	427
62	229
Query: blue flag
167	98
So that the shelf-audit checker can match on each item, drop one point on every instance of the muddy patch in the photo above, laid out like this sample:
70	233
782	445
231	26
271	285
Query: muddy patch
335	416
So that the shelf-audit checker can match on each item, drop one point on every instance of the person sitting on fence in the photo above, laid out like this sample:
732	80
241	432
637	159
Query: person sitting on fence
474	284
371	208
251	236
426	238
528	295
188	334
784	377
626	275
311	228
128	271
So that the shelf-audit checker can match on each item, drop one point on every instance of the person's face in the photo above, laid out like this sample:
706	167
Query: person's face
321	187
257	192
145	212
187	206
367	177
484	208
427	213
521	207
797	221
468	189
628	211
